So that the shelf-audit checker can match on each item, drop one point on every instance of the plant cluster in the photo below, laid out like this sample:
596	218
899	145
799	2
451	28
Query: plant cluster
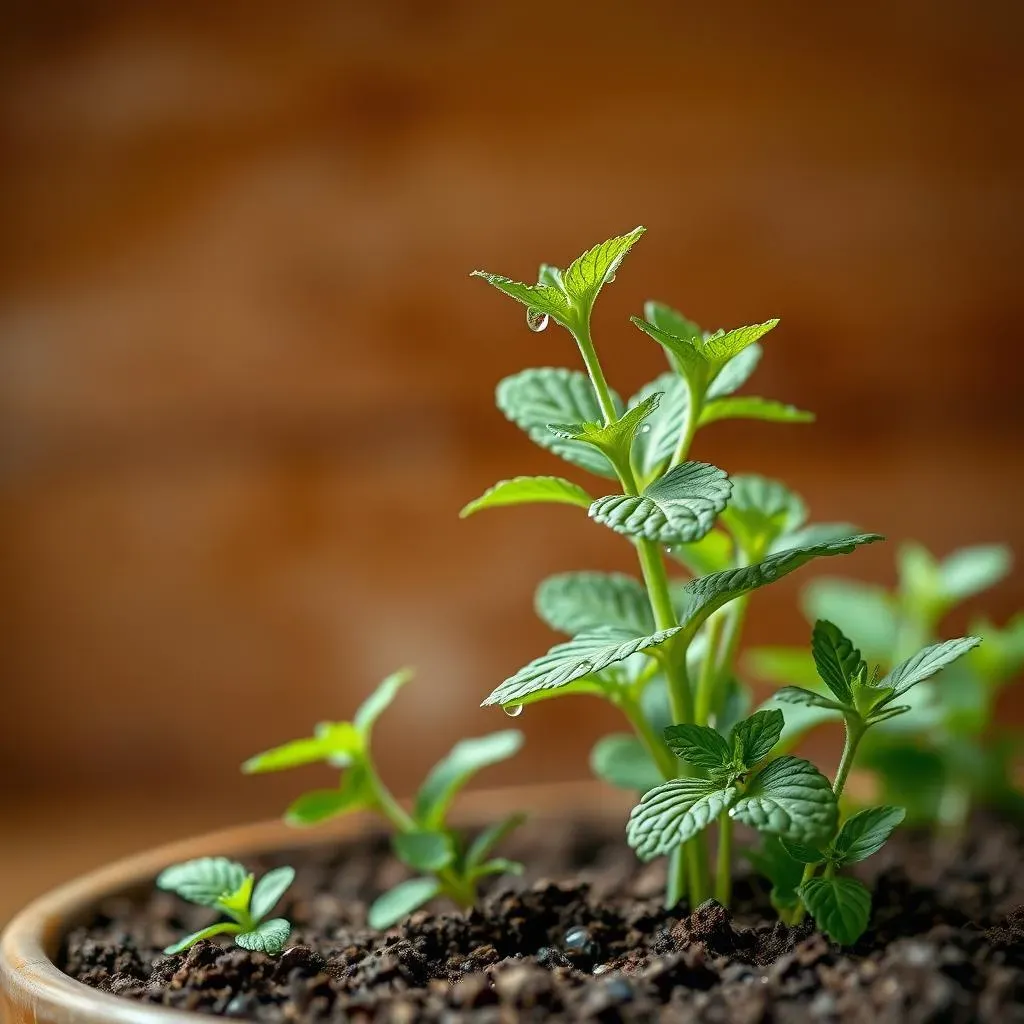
947	753
663	652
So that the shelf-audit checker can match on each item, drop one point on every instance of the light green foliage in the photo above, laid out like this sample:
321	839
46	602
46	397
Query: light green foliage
623	761
574	602
525	490
226	886
748	407
421	840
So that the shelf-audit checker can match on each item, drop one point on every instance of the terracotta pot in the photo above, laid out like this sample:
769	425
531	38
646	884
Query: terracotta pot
33	990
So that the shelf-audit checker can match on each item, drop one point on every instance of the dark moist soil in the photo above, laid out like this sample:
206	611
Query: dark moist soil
582	937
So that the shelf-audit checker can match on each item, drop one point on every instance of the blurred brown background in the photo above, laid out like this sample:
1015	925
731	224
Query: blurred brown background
246	383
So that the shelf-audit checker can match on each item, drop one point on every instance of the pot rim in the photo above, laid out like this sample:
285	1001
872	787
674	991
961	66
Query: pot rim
32	987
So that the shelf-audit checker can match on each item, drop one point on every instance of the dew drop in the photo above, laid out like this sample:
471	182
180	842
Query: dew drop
769	572
645	429
512	710
609	277
536	320
577	938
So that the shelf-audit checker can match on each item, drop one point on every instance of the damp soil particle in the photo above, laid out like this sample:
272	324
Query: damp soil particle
583	937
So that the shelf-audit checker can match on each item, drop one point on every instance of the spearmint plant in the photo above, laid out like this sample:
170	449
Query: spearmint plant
226	886
664	652
946	754
448	864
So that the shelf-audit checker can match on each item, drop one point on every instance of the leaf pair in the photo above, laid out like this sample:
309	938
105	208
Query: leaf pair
788	797
226	886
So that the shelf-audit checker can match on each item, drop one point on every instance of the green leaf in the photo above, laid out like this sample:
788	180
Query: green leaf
813	533
801	853
585	276
622	760
319	805
534	398
783	665
925	664
969	571
838	662
841	907
720	347
656	441
497	866
390	907
752	739
749	407
424	851
679	507
865	833
236	904
269	889
464	760
712	553
614	439
268	937
761	510
573	660
790	798
203	880
545	299
379	701
486	841
699	745
683	353
707	595
866	612
336	742
806	698
736	372
670	320
525	490
674	812
573	602
220	928
772	861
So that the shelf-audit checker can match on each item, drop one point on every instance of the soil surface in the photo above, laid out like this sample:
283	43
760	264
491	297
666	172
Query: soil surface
582	937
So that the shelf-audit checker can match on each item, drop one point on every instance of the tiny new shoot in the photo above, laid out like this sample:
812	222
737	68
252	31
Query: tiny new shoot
446	864
226	886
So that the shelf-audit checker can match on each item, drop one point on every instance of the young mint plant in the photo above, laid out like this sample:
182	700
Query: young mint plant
226	886
653	648
422	839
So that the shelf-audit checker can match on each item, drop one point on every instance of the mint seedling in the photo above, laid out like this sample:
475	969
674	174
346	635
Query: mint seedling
422	839
226	886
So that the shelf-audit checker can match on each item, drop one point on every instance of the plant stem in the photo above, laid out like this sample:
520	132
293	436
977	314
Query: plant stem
660	754
709	672
723	868
693	409
593	364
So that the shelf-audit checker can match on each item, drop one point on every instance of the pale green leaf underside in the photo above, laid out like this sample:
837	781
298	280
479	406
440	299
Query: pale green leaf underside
534	398
573	660
524	490
574	602
763	507
399	902
841	907
673	813
708	594
269	889
203	880
749	407
622	760
676	509
789	798
971	570
657	438
424	851
465	759
926	663
735	373
865	833
268	937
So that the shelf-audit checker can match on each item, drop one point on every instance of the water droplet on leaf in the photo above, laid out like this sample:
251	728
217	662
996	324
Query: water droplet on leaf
536	320
513	710
608	278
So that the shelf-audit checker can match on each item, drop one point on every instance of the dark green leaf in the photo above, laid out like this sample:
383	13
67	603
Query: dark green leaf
574	602
525	490
534	398
424	851
865	833
808	698
772	861
203	880
752	739
841	907
925	664
466	758
673	813
406	897
838	662
486	841
679	507
268	937
699	745
622	760
789	798
749	407
801	853
573	660
269	889
813	533
221	928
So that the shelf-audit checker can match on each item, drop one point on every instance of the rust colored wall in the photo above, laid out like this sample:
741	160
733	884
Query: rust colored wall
246	384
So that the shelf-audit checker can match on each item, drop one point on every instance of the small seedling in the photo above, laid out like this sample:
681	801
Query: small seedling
422	839
226	886
664	652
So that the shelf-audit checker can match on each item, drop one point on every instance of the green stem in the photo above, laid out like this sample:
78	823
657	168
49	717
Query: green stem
693	411
660	754
709	673
593	364
723	867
